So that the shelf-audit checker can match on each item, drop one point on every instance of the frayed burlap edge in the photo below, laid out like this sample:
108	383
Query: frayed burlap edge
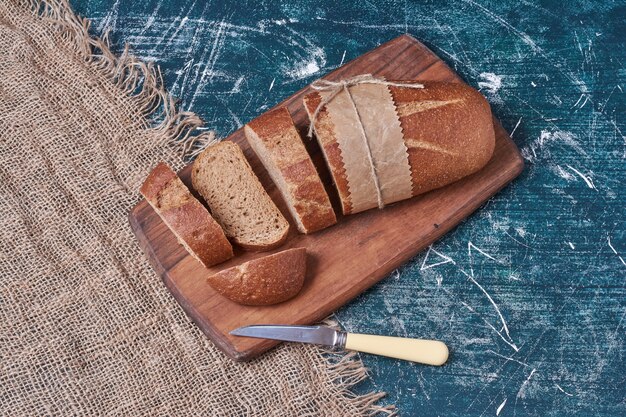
143	83
139	80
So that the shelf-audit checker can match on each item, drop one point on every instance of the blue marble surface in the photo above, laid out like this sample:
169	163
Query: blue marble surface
530	291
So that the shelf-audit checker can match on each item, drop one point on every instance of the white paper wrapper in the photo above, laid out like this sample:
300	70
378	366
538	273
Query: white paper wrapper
382	127
354	151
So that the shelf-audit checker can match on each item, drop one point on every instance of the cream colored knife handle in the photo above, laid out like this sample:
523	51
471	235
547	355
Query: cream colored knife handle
429	352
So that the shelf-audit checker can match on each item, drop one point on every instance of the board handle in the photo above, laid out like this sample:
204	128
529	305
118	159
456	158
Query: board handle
428	352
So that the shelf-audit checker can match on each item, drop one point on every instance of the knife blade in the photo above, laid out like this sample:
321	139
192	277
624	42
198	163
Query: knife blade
317	335
429	352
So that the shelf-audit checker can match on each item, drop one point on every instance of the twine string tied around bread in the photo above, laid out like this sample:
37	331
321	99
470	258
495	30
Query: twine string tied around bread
334	88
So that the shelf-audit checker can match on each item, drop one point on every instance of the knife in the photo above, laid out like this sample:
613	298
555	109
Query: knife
428	352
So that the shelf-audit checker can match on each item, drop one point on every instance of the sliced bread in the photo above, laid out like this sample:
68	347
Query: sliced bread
263	281
238	201
186	217
277	143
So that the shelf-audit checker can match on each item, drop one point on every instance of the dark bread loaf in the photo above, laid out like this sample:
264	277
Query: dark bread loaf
277	143
447	131
186	217
263	281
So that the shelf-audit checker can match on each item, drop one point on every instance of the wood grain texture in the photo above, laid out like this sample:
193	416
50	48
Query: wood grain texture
345	259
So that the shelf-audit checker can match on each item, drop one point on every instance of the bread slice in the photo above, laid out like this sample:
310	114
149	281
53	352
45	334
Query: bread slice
447	129
222	175
263	281
278	145
327	139
186	217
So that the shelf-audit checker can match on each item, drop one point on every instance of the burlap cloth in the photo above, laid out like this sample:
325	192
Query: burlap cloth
86	327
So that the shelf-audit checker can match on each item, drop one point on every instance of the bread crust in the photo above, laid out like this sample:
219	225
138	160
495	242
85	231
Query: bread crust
298	180
268	280
186	217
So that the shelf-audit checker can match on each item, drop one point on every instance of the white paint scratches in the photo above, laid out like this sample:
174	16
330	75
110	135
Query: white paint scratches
398	326
397	27
493	303
343	57
580	48
498	223
182	23
521	393
565	137
585	178
584	102
110	20
312	62
237	86
560	66
505	327
158	46
490	82
516	241
303	70
583	95
561	172
508	358
388	306
603	106
395	274
522	35
470	245
512	345
608	238
516	126
151	19
444	259
184	73
272	84
562	390
208	72
499	409
541	145
203	41
235	118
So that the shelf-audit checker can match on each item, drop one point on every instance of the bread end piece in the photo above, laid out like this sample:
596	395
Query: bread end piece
277	143
263	281
448	131
186	217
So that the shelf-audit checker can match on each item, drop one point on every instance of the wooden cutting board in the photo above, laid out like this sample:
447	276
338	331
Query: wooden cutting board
346	259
